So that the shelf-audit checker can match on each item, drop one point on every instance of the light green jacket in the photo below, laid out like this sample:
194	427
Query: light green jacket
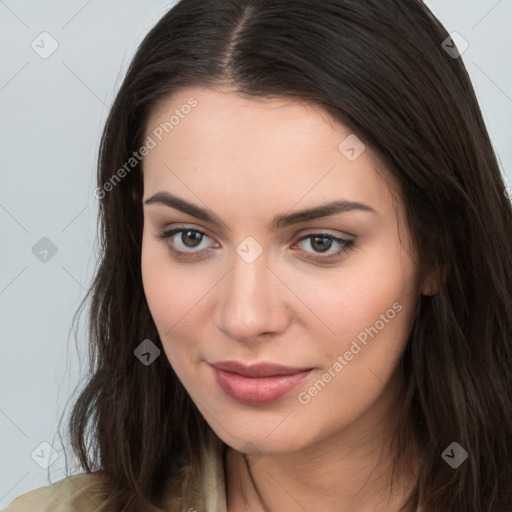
78	493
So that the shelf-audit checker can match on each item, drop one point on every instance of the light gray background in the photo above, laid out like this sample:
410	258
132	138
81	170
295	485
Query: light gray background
52	112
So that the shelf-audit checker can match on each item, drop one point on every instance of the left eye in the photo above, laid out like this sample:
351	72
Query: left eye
192	239
322	242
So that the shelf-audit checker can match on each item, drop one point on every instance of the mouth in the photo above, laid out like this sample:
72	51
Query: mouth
257	384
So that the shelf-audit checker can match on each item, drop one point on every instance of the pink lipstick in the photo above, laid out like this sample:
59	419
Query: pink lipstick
259	383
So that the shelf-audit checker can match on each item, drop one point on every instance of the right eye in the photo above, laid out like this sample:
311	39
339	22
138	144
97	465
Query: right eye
179	241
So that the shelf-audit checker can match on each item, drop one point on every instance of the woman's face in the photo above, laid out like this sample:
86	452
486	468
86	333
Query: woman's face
263	272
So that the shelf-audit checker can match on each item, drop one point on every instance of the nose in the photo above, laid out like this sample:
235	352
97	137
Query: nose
252	301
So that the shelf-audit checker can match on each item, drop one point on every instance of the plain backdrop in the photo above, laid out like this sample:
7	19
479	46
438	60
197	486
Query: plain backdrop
52	111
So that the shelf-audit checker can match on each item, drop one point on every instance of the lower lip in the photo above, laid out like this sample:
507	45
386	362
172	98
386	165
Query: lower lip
257	390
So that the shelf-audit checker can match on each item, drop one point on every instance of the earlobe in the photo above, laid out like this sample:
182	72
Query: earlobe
429	289
433	283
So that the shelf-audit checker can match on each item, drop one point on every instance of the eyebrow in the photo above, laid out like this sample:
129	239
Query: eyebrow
279	221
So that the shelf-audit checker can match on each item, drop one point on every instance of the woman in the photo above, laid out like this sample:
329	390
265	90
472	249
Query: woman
304	299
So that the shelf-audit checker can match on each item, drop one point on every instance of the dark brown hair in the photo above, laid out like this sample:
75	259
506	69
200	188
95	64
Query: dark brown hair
381	70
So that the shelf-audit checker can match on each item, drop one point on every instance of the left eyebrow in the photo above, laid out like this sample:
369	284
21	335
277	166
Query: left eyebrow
324	210
280	221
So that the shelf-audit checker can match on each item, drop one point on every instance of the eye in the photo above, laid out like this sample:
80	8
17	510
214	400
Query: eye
188	243
323	242
188	239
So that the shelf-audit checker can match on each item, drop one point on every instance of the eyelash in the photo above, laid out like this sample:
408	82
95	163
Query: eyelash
346	245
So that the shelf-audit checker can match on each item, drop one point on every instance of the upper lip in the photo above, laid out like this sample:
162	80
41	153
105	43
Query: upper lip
257	369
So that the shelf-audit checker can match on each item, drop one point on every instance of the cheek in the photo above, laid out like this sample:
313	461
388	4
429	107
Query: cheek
371	319
352	298
176	298
170	288
163	287
370	307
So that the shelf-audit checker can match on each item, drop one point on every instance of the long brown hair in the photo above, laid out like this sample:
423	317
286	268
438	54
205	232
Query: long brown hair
380	69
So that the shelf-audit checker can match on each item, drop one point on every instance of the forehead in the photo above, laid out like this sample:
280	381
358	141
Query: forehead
256	148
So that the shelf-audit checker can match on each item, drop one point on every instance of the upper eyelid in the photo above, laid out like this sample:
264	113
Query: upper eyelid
310	231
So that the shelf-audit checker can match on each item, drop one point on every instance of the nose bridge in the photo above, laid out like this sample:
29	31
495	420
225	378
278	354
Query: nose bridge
251	302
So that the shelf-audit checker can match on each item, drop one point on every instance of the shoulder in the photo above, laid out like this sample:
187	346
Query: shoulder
77	493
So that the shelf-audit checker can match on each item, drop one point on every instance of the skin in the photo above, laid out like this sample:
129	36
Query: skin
247	160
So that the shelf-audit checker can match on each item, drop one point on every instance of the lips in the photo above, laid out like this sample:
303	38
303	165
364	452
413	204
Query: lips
257	369
259	383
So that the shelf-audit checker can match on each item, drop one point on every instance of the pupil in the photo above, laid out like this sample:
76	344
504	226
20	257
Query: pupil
195	236
322	246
